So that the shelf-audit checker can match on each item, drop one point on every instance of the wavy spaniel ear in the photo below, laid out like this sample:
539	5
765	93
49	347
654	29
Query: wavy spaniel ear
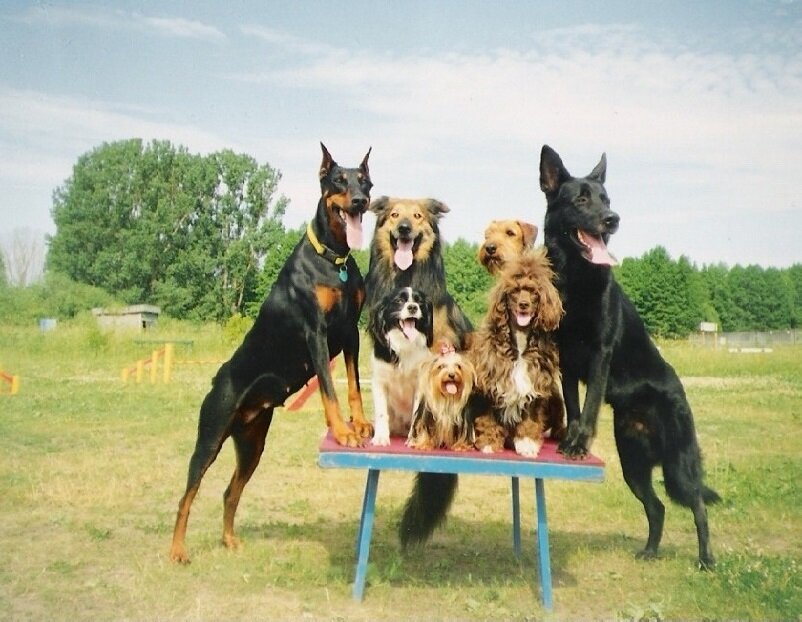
550	310
377	324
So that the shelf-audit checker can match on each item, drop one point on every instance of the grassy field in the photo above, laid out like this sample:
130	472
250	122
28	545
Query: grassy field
91	471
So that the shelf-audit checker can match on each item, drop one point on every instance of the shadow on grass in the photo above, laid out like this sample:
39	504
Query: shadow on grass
463	554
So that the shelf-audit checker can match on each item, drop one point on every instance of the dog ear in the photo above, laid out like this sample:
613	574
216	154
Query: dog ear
364	164
328	162
379	206
429	323
550	310
437	208
552	171
529	232
600	172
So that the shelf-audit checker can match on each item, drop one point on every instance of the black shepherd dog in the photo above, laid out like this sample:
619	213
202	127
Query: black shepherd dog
308	318
604	343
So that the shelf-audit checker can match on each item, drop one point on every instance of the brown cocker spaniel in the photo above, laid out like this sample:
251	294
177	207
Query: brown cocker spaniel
516	359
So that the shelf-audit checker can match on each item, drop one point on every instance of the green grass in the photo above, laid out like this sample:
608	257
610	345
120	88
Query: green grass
91	471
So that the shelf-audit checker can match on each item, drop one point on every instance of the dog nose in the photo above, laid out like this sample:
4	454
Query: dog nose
359	202
611	222
404	229
490	249
412	308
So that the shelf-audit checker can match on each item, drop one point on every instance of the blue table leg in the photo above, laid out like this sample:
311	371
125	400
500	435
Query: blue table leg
544	558
516	519
365	532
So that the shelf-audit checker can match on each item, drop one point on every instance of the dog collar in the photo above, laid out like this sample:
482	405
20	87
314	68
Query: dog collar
325	252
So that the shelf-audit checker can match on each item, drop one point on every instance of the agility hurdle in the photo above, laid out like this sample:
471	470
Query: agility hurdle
11	380
166	355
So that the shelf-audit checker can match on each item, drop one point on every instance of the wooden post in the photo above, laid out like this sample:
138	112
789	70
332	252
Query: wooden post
169	355
154	364
140	370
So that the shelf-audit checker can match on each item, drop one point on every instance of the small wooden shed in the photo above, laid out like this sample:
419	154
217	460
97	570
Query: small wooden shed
139	317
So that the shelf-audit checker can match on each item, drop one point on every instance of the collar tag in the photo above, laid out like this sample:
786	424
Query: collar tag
343	273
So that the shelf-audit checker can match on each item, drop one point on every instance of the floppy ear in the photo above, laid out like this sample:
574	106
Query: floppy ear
429	323
364	164
379	206
529	232
328	162
436	208
377	326
550	310
552	171
600	172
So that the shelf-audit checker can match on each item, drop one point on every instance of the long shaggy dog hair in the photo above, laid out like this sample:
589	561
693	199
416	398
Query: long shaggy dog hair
504	240
516	358
444	385
406	251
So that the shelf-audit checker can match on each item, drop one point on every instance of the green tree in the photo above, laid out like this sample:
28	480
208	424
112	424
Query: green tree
468	281
670	296
153	223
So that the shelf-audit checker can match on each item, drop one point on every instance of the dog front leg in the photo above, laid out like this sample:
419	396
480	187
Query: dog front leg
381	418
362	426
582	429
319	351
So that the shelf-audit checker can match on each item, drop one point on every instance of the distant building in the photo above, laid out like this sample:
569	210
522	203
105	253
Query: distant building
139	317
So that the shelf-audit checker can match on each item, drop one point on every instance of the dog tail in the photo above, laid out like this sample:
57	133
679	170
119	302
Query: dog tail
709	495
426	507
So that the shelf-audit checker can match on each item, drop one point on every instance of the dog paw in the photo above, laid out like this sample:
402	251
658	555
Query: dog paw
486	449
232	542
380	440
178	554
646	555
527	447
363	429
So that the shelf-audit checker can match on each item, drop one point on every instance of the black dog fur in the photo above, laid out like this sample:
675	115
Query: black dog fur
308	318
604	343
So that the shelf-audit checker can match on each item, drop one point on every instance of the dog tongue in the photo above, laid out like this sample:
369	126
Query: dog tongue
353	230
597	250
451	388
408	326
523	319
403	255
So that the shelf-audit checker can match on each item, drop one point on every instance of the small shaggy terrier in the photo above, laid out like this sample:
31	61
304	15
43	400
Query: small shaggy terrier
516	359
444	385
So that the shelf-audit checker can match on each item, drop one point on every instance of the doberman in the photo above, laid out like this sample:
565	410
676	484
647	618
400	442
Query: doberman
309	316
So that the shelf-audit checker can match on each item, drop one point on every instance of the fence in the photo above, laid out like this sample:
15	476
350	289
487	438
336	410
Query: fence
10	380
752	339
165	355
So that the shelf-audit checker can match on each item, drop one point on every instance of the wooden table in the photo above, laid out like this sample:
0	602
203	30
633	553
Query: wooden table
548	465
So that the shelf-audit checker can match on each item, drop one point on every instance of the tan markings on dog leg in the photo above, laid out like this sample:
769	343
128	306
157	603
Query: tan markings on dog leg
362	427
490	434
178	551
327	297
339	429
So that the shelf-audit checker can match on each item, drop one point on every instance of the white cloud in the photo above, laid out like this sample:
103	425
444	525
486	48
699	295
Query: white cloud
179	27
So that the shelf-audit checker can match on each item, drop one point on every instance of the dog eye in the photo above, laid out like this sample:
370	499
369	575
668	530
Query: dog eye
418	216
511	233
394	215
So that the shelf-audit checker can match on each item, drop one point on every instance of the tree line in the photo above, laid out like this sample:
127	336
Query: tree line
203	238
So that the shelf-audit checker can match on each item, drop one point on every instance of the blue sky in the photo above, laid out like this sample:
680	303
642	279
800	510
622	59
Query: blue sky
698	105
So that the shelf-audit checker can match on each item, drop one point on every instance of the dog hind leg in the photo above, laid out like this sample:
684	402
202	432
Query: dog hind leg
637	473
216	415
249	443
